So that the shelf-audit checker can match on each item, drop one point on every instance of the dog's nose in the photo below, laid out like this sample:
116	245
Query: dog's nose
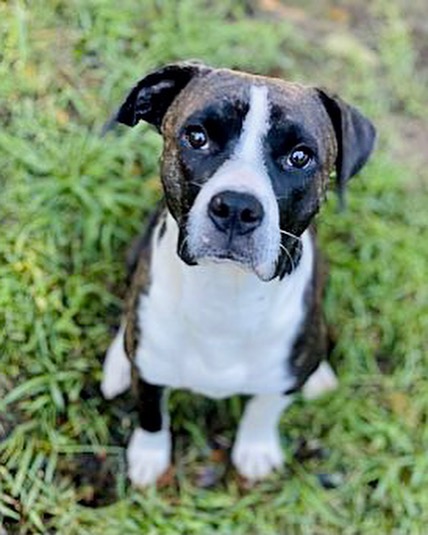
235	211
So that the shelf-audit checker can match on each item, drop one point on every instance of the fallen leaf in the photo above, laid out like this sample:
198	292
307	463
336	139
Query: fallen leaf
338	14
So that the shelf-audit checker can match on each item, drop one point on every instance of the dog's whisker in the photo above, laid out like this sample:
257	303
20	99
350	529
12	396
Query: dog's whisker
196	184
183	243
286	251
286	233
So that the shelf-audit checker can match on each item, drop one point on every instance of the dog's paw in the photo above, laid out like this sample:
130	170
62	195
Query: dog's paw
148	456
255	459
116	369
323	380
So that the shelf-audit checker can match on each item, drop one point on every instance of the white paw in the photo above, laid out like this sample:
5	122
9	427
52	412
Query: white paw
116	368
148	456
321	381
256	459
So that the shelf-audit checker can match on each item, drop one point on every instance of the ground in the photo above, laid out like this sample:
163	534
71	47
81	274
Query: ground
71	203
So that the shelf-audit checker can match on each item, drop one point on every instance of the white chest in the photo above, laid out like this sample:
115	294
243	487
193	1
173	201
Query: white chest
216	329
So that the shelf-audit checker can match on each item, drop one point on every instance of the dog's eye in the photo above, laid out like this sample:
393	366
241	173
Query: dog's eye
299	158
196	137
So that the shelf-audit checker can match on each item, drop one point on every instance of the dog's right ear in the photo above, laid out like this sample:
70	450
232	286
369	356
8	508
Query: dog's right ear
152	96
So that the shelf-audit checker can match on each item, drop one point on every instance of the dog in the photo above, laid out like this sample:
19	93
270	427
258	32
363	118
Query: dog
225	291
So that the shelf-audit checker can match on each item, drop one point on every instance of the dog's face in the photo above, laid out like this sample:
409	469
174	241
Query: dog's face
246	160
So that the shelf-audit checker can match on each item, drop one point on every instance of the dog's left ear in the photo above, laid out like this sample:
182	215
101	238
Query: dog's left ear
152	96
355	136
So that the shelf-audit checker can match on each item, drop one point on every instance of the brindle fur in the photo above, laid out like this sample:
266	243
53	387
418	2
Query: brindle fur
311	344
138	264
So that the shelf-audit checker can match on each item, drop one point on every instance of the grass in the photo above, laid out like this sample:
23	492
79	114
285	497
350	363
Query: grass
70	204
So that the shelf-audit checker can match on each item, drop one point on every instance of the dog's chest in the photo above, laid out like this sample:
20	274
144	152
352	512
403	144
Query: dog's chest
217	330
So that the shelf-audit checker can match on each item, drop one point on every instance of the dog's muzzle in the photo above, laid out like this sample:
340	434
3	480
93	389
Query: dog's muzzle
231	225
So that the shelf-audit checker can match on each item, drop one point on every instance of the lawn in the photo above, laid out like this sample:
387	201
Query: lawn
72	201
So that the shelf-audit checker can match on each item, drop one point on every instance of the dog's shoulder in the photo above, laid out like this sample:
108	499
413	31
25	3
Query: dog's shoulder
138	263
140	248
310	345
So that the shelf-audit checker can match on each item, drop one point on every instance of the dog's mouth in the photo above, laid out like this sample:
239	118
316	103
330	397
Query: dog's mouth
239	261
243	261
243	256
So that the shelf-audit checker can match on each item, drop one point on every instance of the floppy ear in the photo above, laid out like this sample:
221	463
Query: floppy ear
151	97
355	136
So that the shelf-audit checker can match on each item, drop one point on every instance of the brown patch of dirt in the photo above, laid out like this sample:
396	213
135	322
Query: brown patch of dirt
410	146
94	477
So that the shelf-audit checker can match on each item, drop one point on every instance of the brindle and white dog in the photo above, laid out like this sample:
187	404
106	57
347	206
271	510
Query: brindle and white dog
225	290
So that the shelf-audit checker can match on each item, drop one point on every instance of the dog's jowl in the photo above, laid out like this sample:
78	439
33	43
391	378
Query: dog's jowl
225	288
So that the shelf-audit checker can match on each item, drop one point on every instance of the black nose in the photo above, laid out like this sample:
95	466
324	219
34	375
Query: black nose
234	211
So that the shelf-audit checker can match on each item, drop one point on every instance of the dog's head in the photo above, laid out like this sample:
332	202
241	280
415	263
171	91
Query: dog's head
246	159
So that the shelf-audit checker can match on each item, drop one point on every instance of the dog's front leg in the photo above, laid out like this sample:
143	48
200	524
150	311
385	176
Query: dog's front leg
257	450
149	450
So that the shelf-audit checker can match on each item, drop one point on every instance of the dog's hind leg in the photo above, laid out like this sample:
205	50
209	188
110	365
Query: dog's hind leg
116	368
321	381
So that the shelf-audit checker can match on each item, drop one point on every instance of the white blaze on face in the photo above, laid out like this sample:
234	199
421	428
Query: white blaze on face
243	172
255	126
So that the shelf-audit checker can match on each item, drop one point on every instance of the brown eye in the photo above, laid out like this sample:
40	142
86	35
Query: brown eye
299	158
196	137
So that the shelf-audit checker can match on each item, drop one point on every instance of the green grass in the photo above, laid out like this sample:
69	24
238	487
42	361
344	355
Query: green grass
70	204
